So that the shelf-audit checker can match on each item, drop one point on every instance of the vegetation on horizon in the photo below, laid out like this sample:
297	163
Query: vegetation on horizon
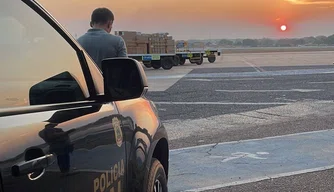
320	40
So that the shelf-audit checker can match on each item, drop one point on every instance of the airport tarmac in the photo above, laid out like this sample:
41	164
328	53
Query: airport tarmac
277	106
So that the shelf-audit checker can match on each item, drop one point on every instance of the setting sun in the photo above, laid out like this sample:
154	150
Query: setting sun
283	27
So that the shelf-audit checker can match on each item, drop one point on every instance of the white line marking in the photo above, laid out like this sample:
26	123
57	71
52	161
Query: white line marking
263	91
285	99
262	153
274	176
248	79
258	69
243	79
166	77
329	72
325	82
248	140
198	79
217	103
238	155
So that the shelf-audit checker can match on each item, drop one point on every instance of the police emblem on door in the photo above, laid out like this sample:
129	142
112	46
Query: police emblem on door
118	132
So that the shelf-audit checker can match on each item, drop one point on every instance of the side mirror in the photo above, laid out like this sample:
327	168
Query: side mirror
124	78
60	88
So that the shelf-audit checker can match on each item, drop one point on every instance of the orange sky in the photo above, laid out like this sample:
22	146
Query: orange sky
194	18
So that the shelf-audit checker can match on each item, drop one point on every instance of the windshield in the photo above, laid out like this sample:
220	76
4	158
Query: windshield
244	87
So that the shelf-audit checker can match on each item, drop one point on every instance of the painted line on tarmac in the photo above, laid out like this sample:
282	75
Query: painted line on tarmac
269	177
166	77
246	74
265	91
258	69
219	103
240	79
206	80
248	79
324	82
329	72
250	140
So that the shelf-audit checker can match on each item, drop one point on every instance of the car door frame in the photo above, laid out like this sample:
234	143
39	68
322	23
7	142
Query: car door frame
94	97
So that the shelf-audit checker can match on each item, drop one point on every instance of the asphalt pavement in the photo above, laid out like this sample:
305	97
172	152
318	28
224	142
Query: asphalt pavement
230	107
193	98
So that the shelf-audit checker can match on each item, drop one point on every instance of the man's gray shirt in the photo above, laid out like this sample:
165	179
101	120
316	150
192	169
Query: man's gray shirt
100	45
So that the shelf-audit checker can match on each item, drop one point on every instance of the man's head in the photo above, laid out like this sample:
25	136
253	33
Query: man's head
102	18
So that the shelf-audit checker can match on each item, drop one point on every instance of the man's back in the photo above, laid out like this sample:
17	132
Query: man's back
100	45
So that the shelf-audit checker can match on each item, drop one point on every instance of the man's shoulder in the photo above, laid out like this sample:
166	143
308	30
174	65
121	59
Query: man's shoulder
82	37
115	40
115	37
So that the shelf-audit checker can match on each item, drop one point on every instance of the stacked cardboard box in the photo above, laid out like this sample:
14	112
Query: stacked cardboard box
170	45
156	43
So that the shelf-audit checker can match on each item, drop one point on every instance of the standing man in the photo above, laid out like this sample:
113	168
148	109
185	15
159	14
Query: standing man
98	42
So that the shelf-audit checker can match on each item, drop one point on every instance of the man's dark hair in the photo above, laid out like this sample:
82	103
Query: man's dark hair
101	16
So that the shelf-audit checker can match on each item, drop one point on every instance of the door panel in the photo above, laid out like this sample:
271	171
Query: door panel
78	146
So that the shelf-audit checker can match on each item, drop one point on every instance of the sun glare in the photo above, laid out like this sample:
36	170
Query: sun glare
283	27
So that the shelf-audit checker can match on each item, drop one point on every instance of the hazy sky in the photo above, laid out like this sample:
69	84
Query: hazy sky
187	19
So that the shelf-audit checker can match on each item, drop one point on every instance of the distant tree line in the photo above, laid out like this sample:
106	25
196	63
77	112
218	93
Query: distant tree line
267	42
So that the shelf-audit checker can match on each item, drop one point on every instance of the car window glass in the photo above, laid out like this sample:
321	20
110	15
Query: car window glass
35	61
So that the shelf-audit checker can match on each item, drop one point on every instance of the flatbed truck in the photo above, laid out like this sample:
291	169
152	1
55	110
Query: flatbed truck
159	50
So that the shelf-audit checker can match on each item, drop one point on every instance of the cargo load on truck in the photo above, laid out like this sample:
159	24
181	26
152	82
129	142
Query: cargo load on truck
154	50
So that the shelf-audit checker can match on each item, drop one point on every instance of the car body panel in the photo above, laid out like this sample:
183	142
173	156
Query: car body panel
77	136
148	130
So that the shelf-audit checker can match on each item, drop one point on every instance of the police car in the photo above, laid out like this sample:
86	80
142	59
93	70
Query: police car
66	125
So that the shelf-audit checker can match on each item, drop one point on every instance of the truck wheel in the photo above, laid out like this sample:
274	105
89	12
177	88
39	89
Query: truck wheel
200	62
167	63
156	64
147	64
182	61
212	59
176	60
192	61
157	181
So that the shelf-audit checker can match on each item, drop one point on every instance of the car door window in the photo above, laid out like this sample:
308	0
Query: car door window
37	65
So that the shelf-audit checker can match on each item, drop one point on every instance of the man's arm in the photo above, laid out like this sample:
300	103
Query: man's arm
122	52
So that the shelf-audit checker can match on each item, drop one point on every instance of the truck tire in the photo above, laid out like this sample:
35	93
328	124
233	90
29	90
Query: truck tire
182	61
192	61
212	59
200	62
156	64
167	63
157	180
176	60
147	64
